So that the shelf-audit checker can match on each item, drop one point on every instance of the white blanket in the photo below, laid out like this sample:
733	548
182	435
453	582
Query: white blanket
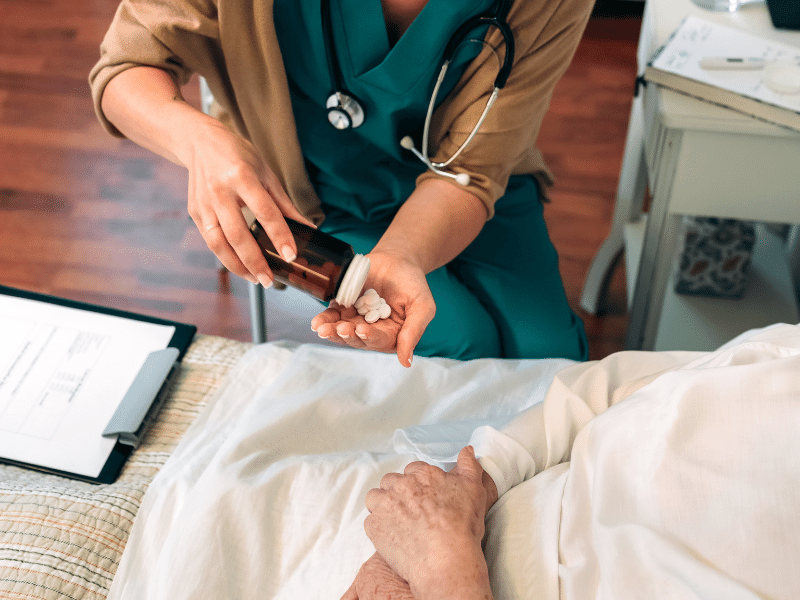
688	488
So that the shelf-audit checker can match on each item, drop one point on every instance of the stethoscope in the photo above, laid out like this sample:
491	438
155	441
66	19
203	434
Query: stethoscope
346	112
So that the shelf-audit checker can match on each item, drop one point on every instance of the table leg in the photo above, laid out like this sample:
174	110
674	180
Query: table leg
793	255
658	252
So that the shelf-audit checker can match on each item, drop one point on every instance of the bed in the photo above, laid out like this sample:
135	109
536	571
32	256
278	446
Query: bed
251	483
61	538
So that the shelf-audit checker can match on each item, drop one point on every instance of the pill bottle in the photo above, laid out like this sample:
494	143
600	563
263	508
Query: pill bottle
326	267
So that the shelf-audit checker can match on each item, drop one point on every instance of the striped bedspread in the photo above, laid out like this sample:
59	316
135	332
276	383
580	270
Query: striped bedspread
63	539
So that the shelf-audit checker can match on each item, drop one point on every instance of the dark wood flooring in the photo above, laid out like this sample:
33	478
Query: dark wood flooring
92	218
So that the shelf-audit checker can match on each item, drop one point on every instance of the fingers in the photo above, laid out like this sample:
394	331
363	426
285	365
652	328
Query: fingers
325	322
265	207
372	500
380	336
376	496
416	474
269	203
225	232
241	240
346	326
468	466
417	466
217	242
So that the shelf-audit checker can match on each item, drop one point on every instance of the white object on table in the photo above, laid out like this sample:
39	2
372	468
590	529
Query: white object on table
698	159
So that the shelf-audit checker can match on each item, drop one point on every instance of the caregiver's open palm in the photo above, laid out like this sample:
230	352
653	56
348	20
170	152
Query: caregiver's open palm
405	289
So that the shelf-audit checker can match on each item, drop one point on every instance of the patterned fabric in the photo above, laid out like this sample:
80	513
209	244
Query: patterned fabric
715	257
63	539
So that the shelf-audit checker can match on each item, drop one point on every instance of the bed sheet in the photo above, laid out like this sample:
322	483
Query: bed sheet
264	497
63	539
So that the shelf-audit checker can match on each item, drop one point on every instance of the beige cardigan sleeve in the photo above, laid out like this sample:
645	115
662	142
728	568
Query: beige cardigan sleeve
236	52
546	33
156	34
248	81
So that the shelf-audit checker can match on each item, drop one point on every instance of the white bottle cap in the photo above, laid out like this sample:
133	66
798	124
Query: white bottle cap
353	281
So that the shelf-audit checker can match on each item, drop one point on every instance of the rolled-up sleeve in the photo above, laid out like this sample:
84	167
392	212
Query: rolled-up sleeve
178	37
546	36
542	436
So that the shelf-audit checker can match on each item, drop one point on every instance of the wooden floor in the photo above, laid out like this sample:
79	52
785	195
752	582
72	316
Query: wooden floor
92	218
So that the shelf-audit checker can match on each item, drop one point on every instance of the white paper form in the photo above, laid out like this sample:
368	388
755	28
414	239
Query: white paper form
63	373
697	38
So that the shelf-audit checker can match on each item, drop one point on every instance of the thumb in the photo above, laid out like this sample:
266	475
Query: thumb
410	333
467	465
351	593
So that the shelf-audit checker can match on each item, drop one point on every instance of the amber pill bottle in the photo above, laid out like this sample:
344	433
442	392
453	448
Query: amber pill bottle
326	267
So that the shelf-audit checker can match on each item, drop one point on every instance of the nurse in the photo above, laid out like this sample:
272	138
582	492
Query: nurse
312	101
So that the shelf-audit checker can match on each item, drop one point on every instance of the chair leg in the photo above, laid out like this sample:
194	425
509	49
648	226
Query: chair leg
258	313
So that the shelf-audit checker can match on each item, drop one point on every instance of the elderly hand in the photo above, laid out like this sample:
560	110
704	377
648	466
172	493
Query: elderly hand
427	525
376	581
404	287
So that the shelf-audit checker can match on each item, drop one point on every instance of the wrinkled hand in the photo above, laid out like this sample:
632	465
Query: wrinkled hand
404	287
377	581
226	173
427	524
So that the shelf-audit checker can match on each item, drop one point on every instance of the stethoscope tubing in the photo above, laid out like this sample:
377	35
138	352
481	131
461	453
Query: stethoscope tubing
340	98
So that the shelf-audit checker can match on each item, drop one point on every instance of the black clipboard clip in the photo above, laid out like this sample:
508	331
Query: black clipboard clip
130	421
639	83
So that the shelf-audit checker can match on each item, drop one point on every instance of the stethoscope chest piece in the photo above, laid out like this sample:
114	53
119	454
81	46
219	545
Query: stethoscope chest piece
344	112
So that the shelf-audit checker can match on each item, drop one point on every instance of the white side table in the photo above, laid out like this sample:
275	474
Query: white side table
698	159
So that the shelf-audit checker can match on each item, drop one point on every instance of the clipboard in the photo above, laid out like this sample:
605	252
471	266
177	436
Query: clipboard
141	400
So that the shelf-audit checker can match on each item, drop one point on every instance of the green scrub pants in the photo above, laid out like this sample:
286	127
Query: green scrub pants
502	297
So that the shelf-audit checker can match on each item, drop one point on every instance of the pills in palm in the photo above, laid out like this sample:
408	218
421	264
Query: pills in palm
372	307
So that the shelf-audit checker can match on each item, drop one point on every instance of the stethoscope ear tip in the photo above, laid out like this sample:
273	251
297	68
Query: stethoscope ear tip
462	179
407	142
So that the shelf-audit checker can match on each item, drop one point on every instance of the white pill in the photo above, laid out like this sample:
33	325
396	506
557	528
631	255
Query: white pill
370	292
372	316
359	303
384	311
372	305
362	310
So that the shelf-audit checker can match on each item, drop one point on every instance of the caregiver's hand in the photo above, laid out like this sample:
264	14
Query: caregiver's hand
403	285
225	173
427	525
376	581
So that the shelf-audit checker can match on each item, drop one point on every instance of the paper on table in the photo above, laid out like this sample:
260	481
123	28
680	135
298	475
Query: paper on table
697	38
63	372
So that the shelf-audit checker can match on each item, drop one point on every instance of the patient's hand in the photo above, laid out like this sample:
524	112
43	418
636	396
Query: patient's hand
377	581
404	287
428	525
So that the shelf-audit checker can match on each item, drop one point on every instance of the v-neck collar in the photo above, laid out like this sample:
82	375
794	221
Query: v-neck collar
365	51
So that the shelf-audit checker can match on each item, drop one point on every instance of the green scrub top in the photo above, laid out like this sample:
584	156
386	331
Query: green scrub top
502	296
364	171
